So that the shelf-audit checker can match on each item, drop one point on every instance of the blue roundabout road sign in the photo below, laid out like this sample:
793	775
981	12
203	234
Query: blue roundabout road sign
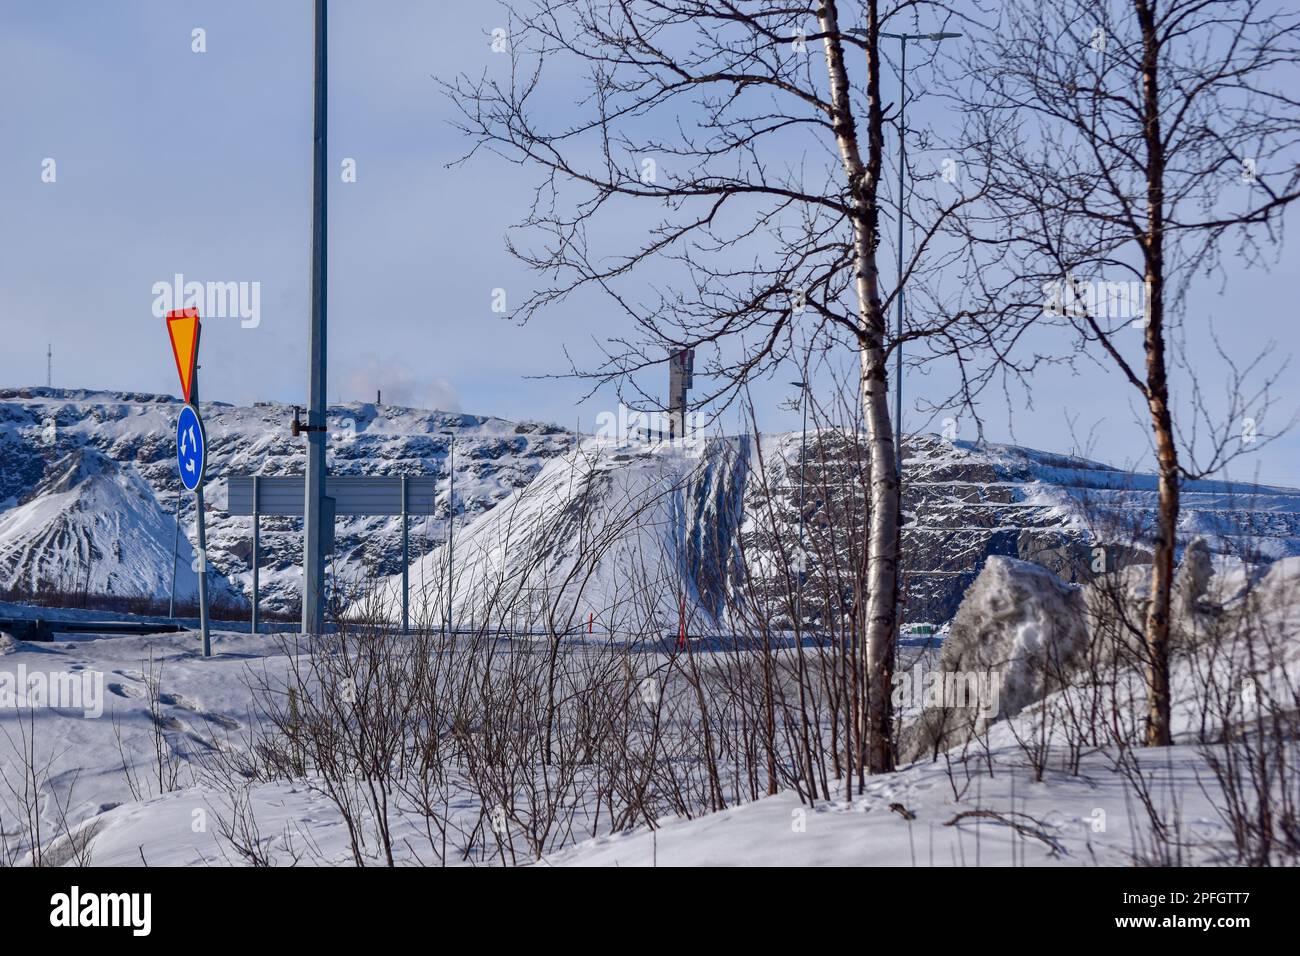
191	448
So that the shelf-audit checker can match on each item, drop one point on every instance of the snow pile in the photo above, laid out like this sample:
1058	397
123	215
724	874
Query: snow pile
1023	627
612	535
93	525
1020	621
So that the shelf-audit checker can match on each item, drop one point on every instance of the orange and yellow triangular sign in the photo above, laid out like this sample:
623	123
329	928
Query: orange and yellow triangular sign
183	327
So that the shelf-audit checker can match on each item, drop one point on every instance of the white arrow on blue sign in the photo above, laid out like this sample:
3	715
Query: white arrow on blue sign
191	448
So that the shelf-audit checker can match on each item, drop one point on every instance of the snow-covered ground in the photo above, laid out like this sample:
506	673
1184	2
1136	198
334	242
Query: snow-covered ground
594	533
1084	820
913	818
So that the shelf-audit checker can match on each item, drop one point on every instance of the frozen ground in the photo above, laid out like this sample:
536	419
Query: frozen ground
204	707
1089	820
1085	820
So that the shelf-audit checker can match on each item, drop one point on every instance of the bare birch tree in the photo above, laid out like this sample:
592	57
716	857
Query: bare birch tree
1136	144
763	160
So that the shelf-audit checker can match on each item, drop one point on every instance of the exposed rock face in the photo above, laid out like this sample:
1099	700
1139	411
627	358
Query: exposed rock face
1076	517
964	503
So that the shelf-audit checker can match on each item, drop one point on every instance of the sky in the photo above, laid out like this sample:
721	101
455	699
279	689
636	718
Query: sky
169	161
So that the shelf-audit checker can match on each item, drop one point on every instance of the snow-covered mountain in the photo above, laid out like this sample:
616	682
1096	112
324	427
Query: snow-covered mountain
615	529
57	443
612	532
96	526
964	502
88	481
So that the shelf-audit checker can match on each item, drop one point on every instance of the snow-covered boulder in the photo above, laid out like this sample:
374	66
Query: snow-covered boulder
1192	580
1017	633
1118	601
1019	620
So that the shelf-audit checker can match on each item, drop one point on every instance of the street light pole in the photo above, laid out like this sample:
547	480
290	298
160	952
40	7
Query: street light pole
902	166
802	558
451	536
314	512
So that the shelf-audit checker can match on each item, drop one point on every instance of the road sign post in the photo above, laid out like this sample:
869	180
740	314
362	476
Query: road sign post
406	560
176	543
257	534
202	563
191	443
350	495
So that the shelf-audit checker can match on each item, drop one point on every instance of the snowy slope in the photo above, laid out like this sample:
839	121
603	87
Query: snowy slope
685	512
907	818
1086	819
39	427
602	535
93	525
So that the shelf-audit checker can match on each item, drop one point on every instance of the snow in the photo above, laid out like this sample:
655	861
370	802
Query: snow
298	824
1020	621
134	434
69	535
908	818
607	524
664	518
781	831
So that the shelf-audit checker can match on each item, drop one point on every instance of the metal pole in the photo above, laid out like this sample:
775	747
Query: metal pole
451	530
203	575
406	564
257	534
203	535
898	334
176	543
313	552
803	556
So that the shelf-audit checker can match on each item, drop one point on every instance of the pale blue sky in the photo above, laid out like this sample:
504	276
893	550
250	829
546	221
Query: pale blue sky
170	161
